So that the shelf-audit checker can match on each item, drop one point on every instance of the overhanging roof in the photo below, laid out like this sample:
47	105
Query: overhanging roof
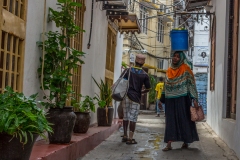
127	23
194	4
147	5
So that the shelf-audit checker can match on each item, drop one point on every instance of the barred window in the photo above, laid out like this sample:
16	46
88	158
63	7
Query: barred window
12	43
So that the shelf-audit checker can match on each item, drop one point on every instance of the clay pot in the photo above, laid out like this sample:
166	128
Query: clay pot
101	116
82	122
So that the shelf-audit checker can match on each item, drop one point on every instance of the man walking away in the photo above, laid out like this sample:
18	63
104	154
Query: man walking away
131	103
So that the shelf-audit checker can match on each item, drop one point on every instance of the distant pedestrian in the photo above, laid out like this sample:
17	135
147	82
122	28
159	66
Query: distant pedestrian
179	93
131	104
158	89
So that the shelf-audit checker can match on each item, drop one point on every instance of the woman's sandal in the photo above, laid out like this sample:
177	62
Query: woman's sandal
131	141
167	148
184	146
124	139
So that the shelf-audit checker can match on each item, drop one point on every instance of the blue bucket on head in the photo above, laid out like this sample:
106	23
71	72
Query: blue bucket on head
179	40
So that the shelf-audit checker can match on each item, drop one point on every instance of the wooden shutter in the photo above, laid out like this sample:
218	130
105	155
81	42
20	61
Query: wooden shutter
213	53
110	55
12	43
77	44
234	58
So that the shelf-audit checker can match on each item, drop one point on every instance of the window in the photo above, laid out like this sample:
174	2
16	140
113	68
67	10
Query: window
12	45
77	44
160	63
162	8
160	33
144	20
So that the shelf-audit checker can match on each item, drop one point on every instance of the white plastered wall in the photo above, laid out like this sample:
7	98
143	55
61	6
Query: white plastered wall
95	59
35	18
227	129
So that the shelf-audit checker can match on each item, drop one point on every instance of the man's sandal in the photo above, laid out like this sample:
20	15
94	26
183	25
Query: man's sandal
167	148
131	141
124	139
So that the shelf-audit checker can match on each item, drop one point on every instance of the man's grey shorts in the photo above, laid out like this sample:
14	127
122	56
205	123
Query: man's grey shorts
130	110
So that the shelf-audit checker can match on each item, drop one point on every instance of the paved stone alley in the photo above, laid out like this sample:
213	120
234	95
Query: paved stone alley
149	135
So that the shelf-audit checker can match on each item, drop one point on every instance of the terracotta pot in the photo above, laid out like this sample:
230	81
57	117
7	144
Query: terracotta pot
101	116
11	149
82	122
63	121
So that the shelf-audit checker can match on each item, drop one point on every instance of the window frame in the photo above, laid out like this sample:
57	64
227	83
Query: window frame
144	21
160	32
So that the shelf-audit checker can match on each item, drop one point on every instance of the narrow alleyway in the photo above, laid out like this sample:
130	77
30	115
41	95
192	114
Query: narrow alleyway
149	135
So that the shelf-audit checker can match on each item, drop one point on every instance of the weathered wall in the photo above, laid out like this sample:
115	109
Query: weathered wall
227	129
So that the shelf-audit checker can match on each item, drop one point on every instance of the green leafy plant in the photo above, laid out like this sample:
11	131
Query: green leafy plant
60	58
124	65
105	97
20	116
152	92
86	105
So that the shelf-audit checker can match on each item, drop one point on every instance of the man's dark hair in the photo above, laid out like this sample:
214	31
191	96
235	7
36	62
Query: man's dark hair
161	79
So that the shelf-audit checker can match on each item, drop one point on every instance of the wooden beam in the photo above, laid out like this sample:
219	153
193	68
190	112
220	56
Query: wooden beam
234	58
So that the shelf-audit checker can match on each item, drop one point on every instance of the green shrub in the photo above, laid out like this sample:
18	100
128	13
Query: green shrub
20	116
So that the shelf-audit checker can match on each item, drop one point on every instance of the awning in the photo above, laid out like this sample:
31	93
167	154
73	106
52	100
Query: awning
152	67
127	23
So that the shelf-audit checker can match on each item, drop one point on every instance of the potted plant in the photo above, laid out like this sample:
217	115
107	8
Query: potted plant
104	111
82	111
21	123
57	64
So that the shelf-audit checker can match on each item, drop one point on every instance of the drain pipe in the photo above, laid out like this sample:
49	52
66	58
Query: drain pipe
88	46
43	51
43	41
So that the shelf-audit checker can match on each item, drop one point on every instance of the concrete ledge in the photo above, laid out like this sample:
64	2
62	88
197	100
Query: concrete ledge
80	144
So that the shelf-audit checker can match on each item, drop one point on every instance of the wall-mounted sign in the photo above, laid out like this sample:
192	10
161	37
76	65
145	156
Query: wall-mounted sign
132	58
201	57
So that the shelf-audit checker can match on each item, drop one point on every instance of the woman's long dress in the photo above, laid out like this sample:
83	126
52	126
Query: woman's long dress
179	126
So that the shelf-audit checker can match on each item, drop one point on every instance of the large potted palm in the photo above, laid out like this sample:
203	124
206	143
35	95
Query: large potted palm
21	123
57	64
104	111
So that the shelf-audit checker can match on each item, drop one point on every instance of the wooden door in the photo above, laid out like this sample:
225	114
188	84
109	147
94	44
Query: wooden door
110	55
